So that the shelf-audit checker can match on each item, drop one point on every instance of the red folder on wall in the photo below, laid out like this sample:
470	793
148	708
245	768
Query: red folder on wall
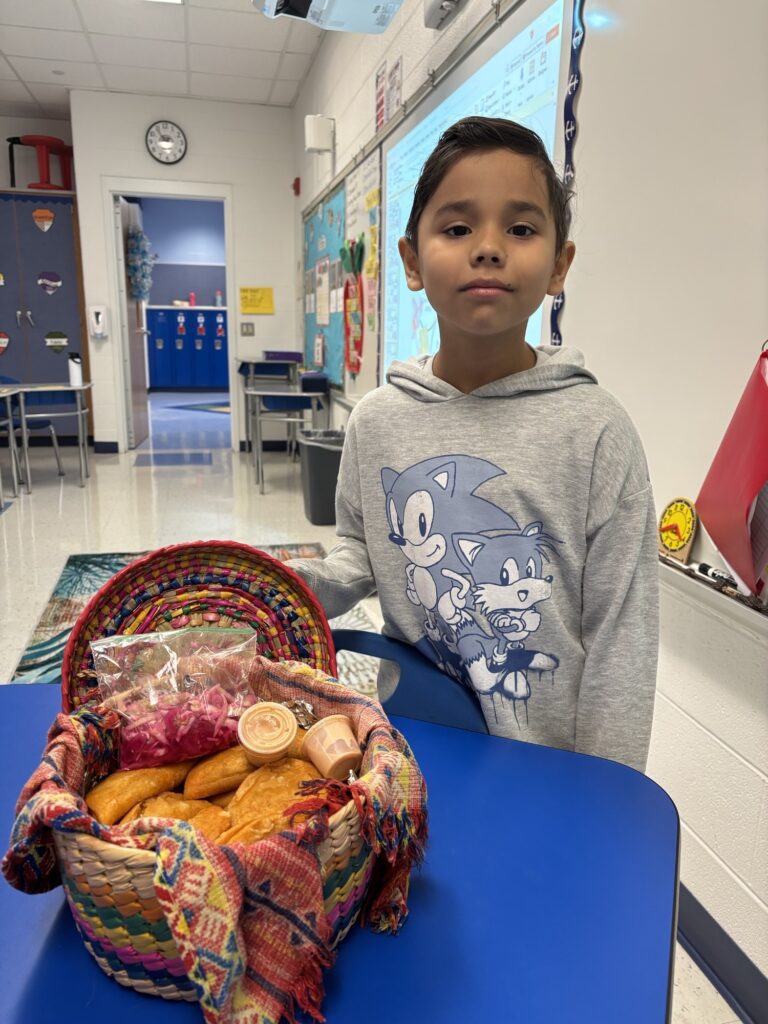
727	504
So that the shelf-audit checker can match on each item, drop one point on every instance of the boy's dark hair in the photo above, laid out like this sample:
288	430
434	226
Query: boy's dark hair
478	134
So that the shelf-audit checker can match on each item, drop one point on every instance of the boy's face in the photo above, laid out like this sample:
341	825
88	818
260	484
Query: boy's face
486	246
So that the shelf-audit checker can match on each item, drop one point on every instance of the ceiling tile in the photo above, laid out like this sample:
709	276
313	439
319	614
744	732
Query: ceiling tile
133	18
249	30
284	92
140	53
15	108
224	60
294	65
303	38
49	95
6	71
40	14
221	87
146	80
14	91
76	74
34	42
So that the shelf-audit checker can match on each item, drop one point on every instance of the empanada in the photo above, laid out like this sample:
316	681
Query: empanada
165	805
217	773
114	796
211	820
270	789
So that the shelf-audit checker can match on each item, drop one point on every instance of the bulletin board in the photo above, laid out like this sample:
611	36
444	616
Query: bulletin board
363	220
324	235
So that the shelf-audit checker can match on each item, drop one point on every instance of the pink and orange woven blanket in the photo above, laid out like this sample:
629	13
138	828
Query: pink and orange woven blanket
248	920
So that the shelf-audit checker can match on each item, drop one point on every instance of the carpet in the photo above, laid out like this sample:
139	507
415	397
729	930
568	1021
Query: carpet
84	574
221	407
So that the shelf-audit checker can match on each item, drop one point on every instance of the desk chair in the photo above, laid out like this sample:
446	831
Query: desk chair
34	420
286	410
423	691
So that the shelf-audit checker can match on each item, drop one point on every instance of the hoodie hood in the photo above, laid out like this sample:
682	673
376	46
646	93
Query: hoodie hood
556	367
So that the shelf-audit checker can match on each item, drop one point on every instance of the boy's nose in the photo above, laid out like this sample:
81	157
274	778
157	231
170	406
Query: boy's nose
488	251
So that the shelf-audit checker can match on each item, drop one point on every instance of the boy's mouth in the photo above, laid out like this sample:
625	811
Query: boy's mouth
485	286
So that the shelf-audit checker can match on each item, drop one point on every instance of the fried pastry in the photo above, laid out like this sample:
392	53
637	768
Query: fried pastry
114	796
217	773
211	821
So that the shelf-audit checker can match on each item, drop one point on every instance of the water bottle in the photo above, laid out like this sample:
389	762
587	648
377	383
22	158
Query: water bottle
218	298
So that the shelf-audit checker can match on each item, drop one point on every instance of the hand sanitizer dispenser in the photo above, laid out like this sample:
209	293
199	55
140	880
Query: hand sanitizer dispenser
97	322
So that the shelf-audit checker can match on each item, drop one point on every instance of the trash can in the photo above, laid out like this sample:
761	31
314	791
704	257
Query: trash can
320	459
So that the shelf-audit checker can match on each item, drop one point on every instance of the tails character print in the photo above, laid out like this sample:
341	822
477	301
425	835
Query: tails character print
506	583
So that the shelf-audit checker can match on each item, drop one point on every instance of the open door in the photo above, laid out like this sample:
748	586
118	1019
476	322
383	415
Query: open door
133	329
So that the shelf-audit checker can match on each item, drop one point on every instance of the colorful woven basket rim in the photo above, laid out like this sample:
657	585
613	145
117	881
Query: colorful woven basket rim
126	586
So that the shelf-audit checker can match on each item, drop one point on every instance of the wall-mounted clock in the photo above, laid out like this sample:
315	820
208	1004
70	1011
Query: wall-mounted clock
677	528
166	142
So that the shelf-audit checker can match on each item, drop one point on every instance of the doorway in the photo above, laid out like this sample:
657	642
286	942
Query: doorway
172	287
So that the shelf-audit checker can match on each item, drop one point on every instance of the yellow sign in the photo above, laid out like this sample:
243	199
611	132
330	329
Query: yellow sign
257	300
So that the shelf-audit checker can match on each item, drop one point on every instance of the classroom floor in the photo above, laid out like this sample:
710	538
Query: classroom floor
182	484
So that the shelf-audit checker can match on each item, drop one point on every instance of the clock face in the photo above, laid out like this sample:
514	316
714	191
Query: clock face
677	524
166	142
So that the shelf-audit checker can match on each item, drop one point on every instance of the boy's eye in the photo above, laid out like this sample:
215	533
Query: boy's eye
457	230
522	231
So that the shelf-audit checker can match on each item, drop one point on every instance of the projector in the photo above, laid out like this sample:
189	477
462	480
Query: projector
367	17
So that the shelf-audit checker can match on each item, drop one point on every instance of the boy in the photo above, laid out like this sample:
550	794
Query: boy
493	494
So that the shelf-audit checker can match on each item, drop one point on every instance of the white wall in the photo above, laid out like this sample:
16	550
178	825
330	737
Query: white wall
242	153
24	156
668	300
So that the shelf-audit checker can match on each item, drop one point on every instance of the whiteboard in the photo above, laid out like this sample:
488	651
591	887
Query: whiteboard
517	73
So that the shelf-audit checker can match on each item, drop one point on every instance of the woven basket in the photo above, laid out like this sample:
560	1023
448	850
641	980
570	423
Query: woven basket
209	584
111	894
110	889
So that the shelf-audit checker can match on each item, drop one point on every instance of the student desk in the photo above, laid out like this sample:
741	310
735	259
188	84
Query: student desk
80	412
7	392
291	399
548	896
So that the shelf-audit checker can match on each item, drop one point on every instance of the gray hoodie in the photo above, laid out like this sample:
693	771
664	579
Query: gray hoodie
511	535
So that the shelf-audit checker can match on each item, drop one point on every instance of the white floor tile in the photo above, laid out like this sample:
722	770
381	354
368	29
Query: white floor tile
695	1000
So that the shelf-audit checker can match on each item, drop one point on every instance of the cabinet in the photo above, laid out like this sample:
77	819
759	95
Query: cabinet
41	318
187	348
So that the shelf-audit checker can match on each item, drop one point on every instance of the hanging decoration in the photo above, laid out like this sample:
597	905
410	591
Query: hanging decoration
139	262
352	255
43	218
570	131
56	340
4	342
49	281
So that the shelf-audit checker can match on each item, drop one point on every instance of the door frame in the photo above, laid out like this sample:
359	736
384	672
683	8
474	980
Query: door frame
151	188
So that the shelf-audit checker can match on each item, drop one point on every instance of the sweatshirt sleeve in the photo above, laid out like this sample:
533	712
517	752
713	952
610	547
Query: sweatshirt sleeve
344	576
620	634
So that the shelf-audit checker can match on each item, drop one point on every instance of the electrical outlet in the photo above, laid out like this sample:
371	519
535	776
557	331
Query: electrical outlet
248	330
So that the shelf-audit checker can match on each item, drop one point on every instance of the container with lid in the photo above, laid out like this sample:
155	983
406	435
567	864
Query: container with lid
266	731
332	747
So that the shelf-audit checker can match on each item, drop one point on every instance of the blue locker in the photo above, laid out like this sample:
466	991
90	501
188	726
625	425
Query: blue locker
201	351
220	359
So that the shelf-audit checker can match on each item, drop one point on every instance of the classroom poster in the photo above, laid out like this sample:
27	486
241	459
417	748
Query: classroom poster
324	235
363	218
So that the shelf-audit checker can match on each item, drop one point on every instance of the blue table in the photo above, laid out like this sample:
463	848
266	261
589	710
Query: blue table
548	896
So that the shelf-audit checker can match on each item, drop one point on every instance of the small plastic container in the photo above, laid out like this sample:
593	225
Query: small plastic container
266	732
332	747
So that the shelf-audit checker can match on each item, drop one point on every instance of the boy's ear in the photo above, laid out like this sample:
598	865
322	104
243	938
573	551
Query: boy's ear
410	265
561	268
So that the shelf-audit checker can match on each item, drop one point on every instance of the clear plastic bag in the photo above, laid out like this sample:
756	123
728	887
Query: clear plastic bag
180	693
